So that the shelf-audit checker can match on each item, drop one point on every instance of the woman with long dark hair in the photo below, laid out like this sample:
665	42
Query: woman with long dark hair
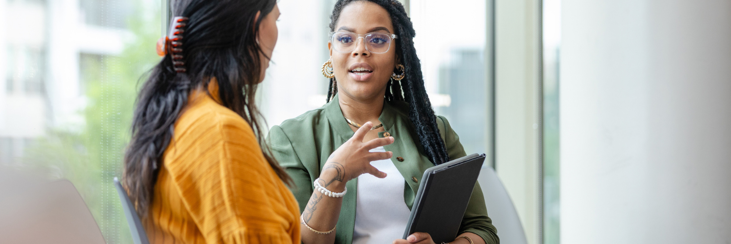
357	161
195	168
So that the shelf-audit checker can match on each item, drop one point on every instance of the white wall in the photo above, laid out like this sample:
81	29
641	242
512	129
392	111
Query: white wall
646	121
517	59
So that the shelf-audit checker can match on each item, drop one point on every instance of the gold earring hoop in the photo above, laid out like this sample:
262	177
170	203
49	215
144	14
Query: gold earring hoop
327	69
402	75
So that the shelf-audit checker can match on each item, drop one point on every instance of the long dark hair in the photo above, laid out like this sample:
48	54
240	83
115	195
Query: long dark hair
219	42
411	89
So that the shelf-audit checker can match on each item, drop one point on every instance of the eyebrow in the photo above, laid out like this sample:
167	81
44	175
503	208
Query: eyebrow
371	30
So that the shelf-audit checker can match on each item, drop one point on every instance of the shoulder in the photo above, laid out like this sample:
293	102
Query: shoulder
443	123
209	136
297	138
451	139
304	120
304	124
208	113
206	123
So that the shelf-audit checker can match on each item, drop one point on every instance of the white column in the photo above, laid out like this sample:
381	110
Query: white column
646	121
517	59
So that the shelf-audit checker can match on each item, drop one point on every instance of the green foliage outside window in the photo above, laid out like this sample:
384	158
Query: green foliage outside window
90	155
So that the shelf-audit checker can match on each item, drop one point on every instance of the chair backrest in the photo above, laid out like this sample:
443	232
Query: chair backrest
139	236
500	208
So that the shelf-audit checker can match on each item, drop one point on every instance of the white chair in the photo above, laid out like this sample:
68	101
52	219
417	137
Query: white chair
500	208
139	236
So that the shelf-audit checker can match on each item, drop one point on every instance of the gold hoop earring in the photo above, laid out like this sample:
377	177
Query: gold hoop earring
327	69
402	75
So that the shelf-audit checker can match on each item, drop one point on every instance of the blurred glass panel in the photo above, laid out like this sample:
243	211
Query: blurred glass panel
106	13
551	140
70	72
452	59
452	52
294	83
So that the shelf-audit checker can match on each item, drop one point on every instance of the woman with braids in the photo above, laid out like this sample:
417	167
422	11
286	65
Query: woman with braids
194	168
357	161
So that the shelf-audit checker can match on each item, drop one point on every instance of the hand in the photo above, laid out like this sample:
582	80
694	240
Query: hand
353	159
416	238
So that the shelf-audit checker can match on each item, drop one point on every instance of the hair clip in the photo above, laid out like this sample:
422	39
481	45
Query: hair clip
173	43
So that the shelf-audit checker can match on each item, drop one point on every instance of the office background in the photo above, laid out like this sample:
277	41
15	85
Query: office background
607	121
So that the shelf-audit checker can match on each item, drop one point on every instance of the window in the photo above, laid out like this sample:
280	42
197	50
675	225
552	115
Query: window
294	83
25	46
25	72
454	65
72	71
69	71
551	146
106	13
453	62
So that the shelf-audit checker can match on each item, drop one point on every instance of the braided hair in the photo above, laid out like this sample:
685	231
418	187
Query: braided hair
411	89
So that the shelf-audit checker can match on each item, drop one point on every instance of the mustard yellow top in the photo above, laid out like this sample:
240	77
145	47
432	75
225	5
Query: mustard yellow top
215	186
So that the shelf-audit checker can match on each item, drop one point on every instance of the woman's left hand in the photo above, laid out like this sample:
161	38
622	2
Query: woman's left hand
416	238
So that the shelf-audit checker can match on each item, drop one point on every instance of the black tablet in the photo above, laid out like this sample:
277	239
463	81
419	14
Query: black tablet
442	199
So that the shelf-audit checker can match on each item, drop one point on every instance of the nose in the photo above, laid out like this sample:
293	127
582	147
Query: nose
360	48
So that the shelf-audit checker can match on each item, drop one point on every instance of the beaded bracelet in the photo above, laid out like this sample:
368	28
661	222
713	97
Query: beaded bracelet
316	231
327	192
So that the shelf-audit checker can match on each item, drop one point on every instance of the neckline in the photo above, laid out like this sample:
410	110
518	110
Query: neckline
337	120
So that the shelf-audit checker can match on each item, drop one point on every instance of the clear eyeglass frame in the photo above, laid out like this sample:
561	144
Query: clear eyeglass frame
364	37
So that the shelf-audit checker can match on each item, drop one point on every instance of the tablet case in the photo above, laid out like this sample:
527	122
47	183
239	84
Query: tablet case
442	199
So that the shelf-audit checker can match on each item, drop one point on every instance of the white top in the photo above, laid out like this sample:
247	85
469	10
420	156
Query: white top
381	213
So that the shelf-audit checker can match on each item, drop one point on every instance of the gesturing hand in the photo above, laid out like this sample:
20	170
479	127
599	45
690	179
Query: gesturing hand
416	238
353	158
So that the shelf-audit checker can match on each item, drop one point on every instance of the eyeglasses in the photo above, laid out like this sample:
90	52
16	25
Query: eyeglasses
345	42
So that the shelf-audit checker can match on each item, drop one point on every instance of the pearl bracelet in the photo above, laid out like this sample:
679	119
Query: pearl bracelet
327	192
314	230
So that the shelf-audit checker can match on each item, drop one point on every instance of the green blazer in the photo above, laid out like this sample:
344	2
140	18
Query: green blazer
302	146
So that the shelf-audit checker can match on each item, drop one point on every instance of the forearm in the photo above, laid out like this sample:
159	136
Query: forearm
322	212
475	239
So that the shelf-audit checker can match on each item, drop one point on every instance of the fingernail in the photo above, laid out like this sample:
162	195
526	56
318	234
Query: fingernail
411	238
390	154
